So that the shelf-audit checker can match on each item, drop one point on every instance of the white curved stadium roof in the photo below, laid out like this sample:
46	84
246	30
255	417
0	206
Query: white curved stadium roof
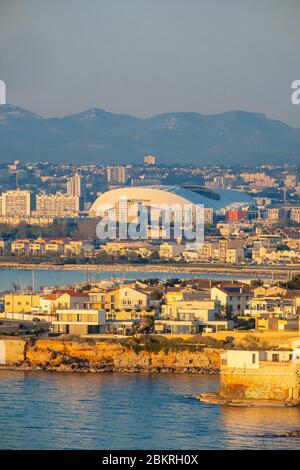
216	199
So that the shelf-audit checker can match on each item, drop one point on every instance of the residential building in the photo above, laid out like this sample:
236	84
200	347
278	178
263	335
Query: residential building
20	302
271	323
79	321
274	302
204	310
234	299
78	247
208	251
171	250
57	205
290	181
275	214
295	214
150	160
236	215
125	321
16	203
116	174
60	299
231	251
74	185
261	375
127	297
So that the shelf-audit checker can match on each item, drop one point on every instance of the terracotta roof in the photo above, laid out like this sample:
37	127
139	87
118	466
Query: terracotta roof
51	296
71	292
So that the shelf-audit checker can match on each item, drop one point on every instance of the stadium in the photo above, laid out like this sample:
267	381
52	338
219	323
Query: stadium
215	201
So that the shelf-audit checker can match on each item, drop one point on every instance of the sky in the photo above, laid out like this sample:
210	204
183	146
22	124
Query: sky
145	57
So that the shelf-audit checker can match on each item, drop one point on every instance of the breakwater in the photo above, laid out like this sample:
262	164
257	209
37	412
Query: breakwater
275	273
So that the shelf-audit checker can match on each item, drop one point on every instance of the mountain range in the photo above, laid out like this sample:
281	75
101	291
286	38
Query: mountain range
98	136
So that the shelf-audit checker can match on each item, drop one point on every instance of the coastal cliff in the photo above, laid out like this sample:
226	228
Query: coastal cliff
55	354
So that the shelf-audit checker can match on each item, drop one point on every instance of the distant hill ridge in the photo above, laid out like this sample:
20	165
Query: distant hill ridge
98	136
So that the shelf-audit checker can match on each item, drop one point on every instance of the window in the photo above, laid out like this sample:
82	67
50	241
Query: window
275	357
253	358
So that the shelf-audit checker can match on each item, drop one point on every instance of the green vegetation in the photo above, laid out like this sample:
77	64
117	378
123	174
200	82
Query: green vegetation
61	228
157	343
252	343
294	283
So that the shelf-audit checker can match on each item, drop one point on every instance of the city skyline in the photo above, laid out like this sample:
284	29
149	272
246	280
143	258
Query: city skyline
146	59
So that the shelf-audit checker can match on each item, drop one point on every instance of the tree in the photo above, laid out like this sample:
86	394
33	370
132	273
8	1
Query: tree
294	283
227	311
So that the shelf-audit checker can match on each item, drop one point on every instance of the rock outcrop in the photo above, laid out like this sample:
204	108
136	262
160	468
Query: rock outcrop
62	354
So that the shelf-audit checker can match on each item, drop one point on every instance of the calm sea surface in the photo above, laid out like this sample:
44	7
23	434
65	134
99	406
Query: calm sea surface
23	277
126	411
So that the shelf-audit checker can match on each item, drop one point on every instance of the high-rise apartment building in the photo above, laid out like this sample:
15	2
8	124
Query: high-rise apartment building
56	205
16	203
290	181
116	174
259	180
74	185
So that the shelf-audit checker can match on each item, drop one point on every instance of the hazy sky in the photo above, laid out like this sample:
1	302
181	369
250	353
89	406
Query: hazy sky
144	57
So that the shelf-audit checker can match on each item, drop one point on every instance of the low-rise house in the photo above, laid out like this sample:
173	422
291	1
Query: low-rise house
20	302
125	248
271	323
79	321
78	247
261	375
21	246
234	299
124	321
191	327
231	251
204	310
54	246
274	302
192	317
173	295
97	299
126	297
40	246
171	250
60	299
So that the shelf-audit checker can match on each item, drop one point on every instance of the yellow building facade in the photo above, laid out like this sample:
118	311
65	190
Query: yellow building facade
20	303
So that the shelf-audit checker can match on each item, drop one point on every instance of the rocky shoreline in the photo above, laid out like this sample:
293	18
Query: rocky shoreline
82	355
217	399
105	369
